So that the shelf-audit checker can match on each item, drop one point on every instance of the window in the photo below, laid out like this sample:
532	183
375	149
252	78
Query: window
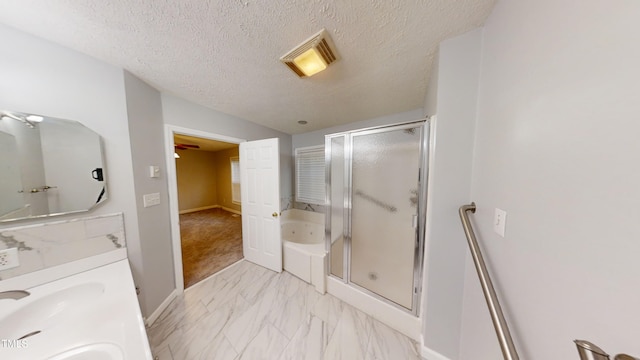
310	184
235	181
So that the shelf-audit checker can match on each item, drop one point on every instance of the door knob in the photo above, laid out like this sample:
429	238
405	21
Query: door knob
275	214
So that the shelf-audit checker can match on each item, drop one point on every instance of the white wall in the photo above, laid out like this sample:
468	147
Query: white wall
431	98
30	170
75	187
40	77
146	129
180	112
10	183
454	87
314	138
557	148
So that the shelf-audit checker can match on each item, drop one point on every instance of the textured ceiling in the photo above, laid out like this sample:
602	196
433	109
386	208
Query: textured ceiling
204	144
225	54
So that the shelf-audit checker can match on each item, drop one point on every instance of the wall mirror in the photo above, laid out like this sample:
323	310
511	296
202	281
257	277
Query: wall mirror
48	166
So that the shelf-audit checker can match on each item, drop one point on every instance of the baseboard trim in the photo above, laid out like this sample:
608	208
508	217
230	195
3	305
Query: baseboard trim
428	354
154	316
198	209
231	210
210	207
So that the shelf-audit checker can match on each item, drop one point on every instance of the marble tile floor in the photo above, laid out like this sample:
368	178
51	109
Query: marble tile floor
249	312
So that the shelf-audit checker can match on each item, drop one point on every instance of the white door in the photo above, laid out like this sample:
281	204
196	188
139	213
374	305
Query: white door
260	193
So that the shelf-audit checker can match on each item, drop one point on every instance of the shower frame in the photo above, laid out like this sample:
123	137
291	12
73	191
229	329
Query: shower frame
423	172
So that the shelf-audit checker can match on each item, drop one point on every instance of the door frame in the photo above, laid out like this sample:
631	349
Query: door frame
172	180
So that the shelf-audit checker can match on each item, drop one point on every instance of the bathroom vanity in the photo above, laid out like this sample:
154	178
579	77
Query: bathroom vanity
83	310
66	288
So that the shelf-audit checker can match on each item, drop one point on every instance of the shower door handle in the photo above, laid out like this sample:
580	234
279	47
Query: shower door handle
414	221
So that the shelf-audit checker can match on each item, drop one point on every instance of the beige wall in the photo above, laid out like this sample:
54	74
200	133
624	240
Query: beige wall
182	113
223	171
196	175
204	179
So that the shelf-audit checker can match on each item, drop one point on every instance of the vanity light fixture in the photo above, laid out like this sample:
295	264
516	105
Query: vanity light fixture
35	118
312	56
19	117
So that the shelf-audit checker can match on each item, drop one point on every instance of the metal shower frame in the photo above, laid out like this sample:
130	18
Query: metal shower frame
423	173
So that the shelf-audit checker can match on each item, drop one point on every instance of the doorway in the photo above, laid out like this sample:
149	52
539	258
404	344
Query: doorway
209	202
202	226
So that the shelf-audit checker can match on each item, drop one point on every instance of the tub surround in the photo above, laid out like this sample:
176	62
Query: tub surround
321	209
286	203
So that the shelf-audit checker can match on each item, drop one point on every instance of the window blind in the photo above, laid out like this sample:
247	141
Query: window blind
310	175
235	180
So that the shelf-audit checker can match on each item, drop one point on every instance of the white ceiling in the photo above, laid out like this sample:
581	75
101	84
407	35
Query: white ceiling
225	54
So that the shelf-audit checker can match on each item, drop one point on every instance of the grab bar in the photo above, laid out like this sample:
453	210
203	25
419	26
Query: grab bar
499	323
588	350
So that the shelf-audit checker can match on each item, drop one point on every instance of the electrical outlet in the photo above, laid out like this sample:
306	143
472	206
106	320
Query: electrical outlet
151	199
9	258
499	221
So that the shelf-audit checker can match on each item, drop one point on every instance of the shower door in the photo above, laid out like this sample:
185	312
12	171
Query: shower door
379	173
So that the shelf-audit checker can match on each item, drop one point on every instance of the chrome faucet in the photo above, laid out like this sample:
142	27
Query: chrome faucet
589	351
13	294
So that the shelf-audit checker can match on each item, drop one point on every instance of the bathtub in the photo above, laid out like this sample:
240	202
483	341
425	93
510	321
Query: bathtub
303	247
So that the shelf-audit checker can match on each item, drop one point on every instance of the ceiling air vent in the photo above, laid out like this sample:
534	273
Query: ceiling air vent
312	56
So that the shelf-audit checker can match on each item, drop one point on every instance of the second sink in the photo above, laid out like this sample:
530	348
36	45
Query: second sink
43	312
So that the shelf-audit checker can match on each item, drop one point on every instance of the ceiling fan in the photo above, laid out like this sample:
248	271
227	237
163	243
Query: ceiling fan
186	146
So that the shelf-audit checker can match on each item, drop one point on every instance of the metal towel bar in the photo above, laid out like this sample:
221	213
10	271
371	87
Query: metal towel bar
500	324
380	203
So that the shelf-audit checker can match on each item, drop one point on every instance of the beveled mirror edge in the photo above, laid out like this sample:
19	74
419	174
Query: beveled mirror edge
22	117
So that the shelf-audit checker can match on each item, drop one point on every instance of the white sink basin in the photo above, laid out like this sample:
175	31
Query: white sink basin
90	315
102	351
44	312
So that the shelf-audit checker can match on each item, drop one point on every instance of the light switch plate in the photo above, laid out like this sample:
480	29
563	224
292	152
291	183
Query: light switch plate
499	221
151	199
9	258
154	171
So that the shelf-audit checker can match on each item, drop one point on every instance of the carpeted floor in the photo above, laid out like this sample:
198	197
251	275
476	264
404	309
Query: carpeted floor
211	240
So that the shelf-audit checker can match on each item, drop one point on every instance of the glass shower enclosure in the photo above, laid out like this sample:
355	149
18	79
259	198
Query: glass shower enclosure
376	197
